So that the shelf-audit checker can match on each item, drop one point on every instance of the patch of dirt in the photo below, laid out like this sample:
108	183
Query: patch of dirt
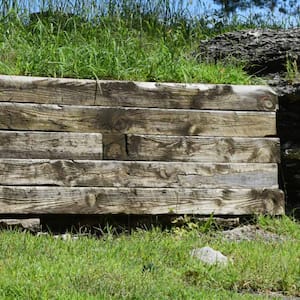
250	233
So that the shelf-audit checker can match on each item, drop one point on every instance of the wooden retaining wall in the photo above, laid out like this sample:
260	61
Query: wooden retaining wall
107	147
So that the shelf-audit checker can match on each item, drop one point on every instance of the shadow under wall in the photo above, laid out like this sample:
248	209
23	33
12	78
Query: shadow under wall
288	128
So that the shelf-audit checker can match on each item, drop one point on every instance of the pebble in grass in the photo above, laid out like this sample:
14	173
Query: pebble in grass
63	236
209	256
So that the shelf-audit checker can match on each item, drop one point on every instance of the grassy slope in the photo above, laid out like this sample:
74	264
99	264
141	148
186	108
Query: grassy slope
150	264
107	49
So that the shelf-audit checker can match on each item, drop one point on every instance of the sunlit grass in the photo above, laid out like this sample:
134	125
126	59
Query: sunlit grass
152	264
126	40
71	48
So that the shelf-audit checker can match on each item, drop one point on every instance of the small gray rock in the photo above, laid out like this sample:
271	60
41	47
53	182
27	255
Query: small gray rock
209	256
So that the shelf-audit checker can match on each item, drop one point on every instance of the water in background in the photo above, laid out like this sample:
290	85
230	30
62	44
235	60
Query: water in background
276	13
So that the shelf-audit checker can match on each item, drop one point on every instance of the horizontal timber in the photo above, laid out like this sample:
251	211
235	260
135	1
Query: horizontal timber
62	200
201	149
137	174
136	94
50	145
47	90
47	117
186	96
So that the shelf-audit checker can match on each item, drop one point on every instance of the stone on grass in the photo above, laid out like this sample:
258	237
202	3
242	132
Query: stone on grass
209	256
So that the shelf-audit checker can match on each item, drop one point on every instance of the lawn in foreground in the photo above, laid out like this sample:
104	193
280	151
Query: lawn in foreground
148	264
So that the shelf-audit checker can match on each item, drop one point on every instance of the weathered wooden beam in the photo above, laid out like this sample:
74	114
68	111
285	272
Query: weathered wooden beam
51	145
61	200
137	174
135	120
47	90
202	149
136	94
186	96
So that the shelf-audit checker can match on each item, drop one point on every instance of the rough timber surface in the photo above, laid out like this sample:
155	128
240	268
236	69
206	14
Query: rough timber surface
71	146
202	149
63	200
51	145
49	117
137	174
47	90
136	94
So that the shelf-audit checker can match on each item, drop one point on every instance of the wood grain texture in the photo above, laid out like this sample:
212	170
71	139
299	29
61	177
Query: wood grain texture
135	120
62	200
202	149
137	174
52	145
47	90
186	96
136	94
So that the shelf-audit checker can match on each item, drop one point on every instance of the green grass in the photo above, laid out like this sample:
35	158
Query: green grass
124	39
107	48
152	264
